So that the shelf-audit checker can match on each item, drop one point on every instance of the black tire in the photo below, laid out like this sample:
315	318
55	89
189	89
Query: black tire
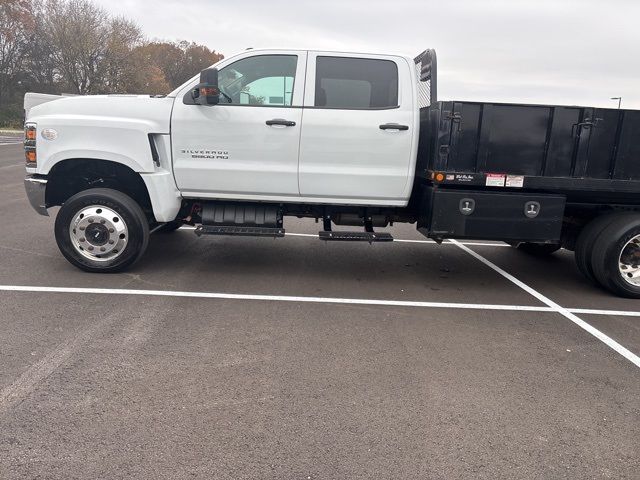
605	257
169	227
538	249
586	240
131	214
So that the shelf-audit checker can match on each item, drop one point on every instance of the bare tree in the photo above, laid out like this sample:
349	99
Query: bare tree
77	32
16	26
120	65
75	46
41	72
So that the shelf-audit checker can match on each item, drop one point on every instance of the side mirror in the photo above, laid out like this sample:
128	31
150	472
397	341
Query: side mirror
207	91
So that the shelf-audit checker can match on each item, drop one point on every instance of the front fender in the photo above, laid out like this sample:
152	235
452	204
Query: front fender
128	145
112	128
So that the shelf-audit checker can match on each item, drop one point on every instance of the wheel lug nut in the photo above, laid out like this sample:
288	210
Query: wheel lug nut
90	220
82	239
102	249
82	228
111	242
111	230
90	248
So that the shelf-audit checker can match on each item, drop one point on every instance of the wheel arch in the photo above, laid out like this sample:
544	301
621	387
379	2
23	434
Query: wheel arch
71	176
578	217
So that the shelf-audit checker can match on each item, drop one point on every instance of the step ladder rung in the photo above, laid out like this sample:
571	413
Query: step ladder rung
341	236
239	231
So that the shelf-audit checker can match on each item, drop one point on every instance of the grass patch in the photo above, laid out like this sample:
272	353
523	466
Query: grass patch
11	117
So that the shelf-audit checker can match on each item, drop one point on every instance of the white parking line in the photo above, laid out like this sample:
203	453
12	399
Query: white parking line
10	143
610	342
276	298
301	299
615	313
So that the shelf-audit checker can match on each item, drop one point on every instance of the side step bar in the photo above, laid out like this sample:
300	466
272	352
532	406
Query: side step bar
239	231
355	236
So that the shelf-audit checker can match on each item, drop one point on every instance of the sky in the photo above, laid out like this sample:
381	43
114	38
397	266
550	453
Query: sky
544	51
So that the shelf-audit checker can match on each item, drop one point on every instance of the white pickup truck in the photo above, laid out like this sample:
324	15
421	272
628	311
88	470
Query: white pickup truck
345	138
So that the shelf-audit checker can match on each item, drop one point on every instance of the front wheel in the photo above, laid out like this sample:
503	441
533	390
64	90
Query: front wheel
101	230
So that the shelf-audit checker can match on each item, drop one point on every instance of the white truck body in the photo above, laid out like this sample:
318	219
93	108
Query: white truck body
226	151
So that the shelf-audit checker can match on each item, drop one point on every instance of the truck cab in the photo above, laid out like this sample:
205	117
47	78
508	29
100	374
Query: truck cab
265	133
300	126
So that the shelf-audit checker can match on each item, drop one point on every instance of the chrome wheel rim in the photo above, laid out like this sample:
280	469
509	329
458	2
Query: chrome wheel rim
629	261
99	233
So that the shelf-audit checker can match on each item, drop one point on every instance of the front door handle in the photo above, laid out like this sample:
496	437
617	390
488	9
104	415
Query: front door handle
281	121
393	126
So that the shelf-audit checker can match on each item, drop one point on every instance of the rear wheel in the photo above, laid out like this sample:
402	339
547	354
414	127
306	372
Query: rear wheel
586	240
616	256
538	249
101	230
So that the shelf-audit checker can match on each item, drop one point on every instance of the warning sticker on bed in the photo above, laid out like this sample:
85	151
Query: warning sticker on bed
516	181
495	180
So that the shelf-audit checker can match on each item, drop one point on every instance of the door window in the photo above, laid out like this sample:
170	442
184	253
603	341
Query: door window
356	83
263	80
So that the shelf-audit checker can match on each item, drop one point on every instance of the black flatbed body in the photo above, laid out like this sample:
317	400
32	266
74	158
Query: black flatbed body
590	155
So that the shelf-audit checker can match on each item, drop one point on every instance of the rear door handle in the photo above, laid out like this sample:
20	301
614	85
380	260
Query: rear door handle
281	121
393	126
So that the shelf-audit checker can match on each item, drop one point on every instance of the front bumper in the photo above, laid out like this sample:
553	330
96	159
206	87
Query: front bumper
36	187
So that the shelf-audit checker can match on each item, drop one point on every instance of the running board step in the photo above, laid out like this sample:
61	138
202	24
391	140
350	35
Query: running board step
355	236
239	231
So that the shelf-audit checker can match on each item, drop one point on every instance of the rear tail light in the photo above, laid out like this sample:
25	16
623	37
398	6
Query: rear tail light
30	154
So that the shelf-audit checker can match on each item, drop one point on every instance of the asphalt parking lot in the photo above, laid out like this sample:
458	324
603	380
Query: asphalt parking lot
242	358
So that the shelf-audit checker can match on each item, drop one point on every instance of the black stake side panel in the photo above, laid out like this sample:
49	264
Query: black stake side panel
561	143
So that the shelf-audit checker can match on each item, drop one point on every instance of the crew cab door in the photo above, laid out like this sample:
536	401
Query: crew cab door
246	146
360	129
